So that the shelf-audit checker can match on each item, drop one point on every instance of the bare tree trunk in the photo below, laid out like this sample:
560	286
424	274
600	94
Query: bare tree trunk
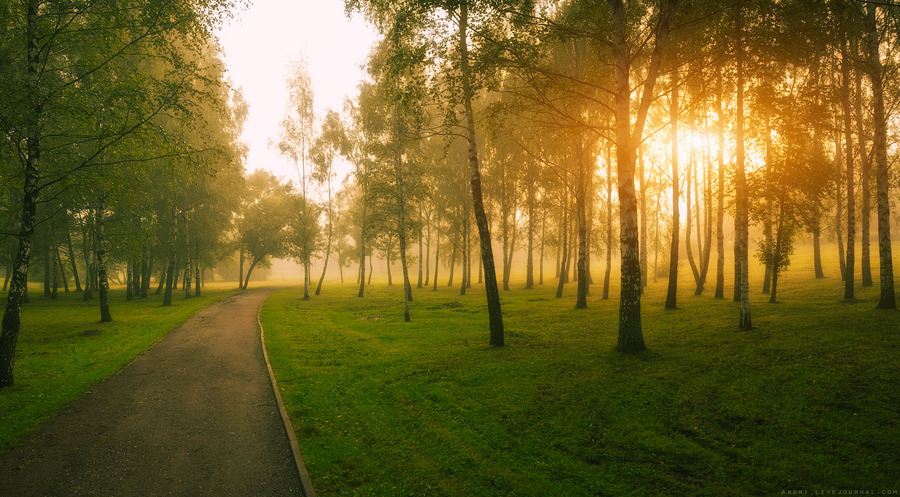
241	267
170	277
581	219
487	255
529	263
865	182
642	186
54	274
839	205
767	214
327	257
390	245
887	299
452	265
687	231
609	223
72	260
437	251
849	276
817	248
103	287
466	254
543	232
745	322
421	252
430	219
62	270
362	255
720	194
9	271
672	290
563	272
146	261
129	287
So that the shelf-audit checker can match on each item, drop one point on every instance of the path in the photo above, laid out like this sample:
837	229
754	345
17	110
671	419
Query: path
194	415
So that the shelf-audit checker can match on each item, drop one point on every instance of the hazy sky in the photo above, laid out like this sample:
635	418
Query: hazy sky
258	45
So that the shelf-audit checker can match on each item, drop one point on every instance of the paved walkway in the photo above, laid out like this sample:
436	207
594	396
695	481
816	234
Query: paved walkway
194	415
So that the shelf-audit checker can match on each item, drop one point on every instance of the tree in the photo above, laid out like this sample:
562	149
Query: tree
331	142
70	73
269	222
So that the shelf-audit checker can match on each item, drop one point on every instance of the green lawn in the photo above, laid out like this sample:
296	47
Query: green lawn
64	349
807	401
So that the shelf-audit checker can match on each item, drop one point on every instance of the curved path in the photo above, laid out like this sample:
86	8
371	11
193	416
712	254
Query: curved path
194	415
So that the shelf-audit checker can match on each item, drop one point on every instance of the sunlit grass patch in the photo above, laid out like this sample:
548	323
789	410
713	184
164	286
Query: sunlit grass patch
807	400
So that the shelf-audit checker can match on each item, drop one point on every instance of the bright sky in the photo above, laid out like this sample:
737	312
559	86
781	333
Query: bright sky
260	42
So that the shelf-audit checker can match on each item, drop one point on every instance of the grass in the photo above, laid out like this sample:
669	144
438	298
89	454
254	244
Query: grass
64	349
806	401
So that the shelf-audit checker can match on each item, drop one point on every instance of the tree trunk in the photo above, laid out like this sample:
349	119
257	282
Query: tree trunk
327	256
495	315
672	290
720	194
452	265
609	222
687	231
146	261
241	267
362	254
767	214
839	205
72	260
581	213
387	257
171	266
543	231
54	273
407	287
103	285
437	252
12	316
887	299
129	287
198	275
188	274
421	252
9	271
466	254
529	263
163	274
62	270
306	276
563	272
865	183
817	248
47	269
745	320
777	263
642	186
849	276
428	249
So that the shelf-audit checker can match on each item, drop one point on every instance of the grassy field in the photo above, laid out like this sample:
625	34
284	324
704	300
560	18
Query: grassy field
806	401
64	349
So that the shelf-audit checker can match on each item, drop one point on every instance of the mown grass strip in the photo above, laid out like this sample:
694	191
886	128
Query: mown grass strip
806	401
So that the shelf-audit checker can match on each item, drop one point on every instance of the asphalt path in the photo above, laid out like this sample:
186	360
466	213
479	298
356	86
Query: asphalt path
194	415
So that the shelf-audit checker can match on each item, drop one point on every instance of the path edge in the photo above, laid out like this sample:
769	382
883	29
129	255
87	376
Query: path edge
306	485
